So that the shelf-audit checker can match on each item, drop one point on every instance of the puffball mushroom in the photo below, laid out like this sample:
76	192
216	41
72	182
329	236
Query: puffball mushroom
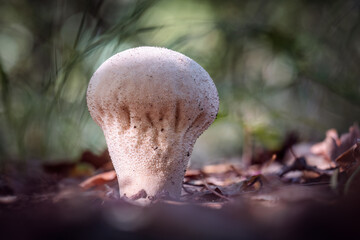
152	104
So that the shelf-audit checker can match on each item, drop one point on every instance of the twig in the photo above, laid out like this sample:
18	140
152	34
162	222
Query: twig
314	183
292	152
301	165
195	185
213	191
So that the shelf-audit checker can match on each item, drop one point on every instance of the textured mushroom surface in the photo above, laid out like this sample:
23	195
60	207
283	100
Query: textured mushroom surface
152	104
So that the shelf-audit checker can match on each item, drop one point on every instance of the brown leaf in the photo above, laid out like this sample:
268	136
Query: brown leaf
218	168
326	147
192	173
220	174
254	183
216	191
350	159
333	146
98	179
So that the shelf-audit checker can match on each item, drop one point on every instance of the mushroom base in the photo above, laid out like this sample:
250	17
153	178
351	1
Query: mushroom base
146	188
147	171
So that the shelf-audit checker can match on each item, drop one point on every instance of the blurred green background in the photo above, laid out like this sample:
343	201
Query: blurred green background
279	66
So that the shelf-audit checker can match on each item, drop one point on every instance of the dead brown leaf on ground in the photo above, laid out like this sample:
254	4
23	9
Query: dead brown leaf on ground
266	191
350	159
333	145
99	179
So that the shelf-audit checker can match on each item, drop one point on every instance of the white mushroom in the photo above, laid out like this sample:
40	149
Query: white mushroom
152	104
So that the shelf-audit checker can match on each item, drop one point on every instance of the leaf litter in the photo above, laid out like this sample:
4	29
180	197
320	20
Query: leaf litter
271	194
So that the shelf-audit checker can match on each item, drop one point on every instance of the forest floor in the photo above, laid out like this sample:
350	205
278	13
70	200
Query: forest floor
298	191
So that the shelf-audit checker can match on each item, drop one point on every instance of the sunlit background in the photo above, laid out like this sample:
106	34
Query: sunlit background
279	66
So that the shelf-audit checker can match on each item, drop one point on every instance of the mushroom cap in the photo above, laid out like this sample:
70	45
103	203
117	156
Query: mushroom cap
152	104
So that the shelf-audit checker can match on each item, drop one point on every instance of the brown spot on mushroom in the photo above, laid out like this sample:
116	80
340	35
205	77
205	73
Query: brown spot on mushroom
199	119
148	118
126	112
177	115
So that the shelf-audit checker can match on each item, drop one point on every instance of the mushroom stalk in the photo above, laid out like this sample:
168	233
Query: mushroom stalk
152	104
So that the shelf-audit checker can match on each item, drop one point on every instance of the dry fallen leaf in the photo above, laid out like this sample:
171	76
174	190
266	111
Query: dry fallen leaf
98	179
219	168
333	146
325	147
350	159
192	173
